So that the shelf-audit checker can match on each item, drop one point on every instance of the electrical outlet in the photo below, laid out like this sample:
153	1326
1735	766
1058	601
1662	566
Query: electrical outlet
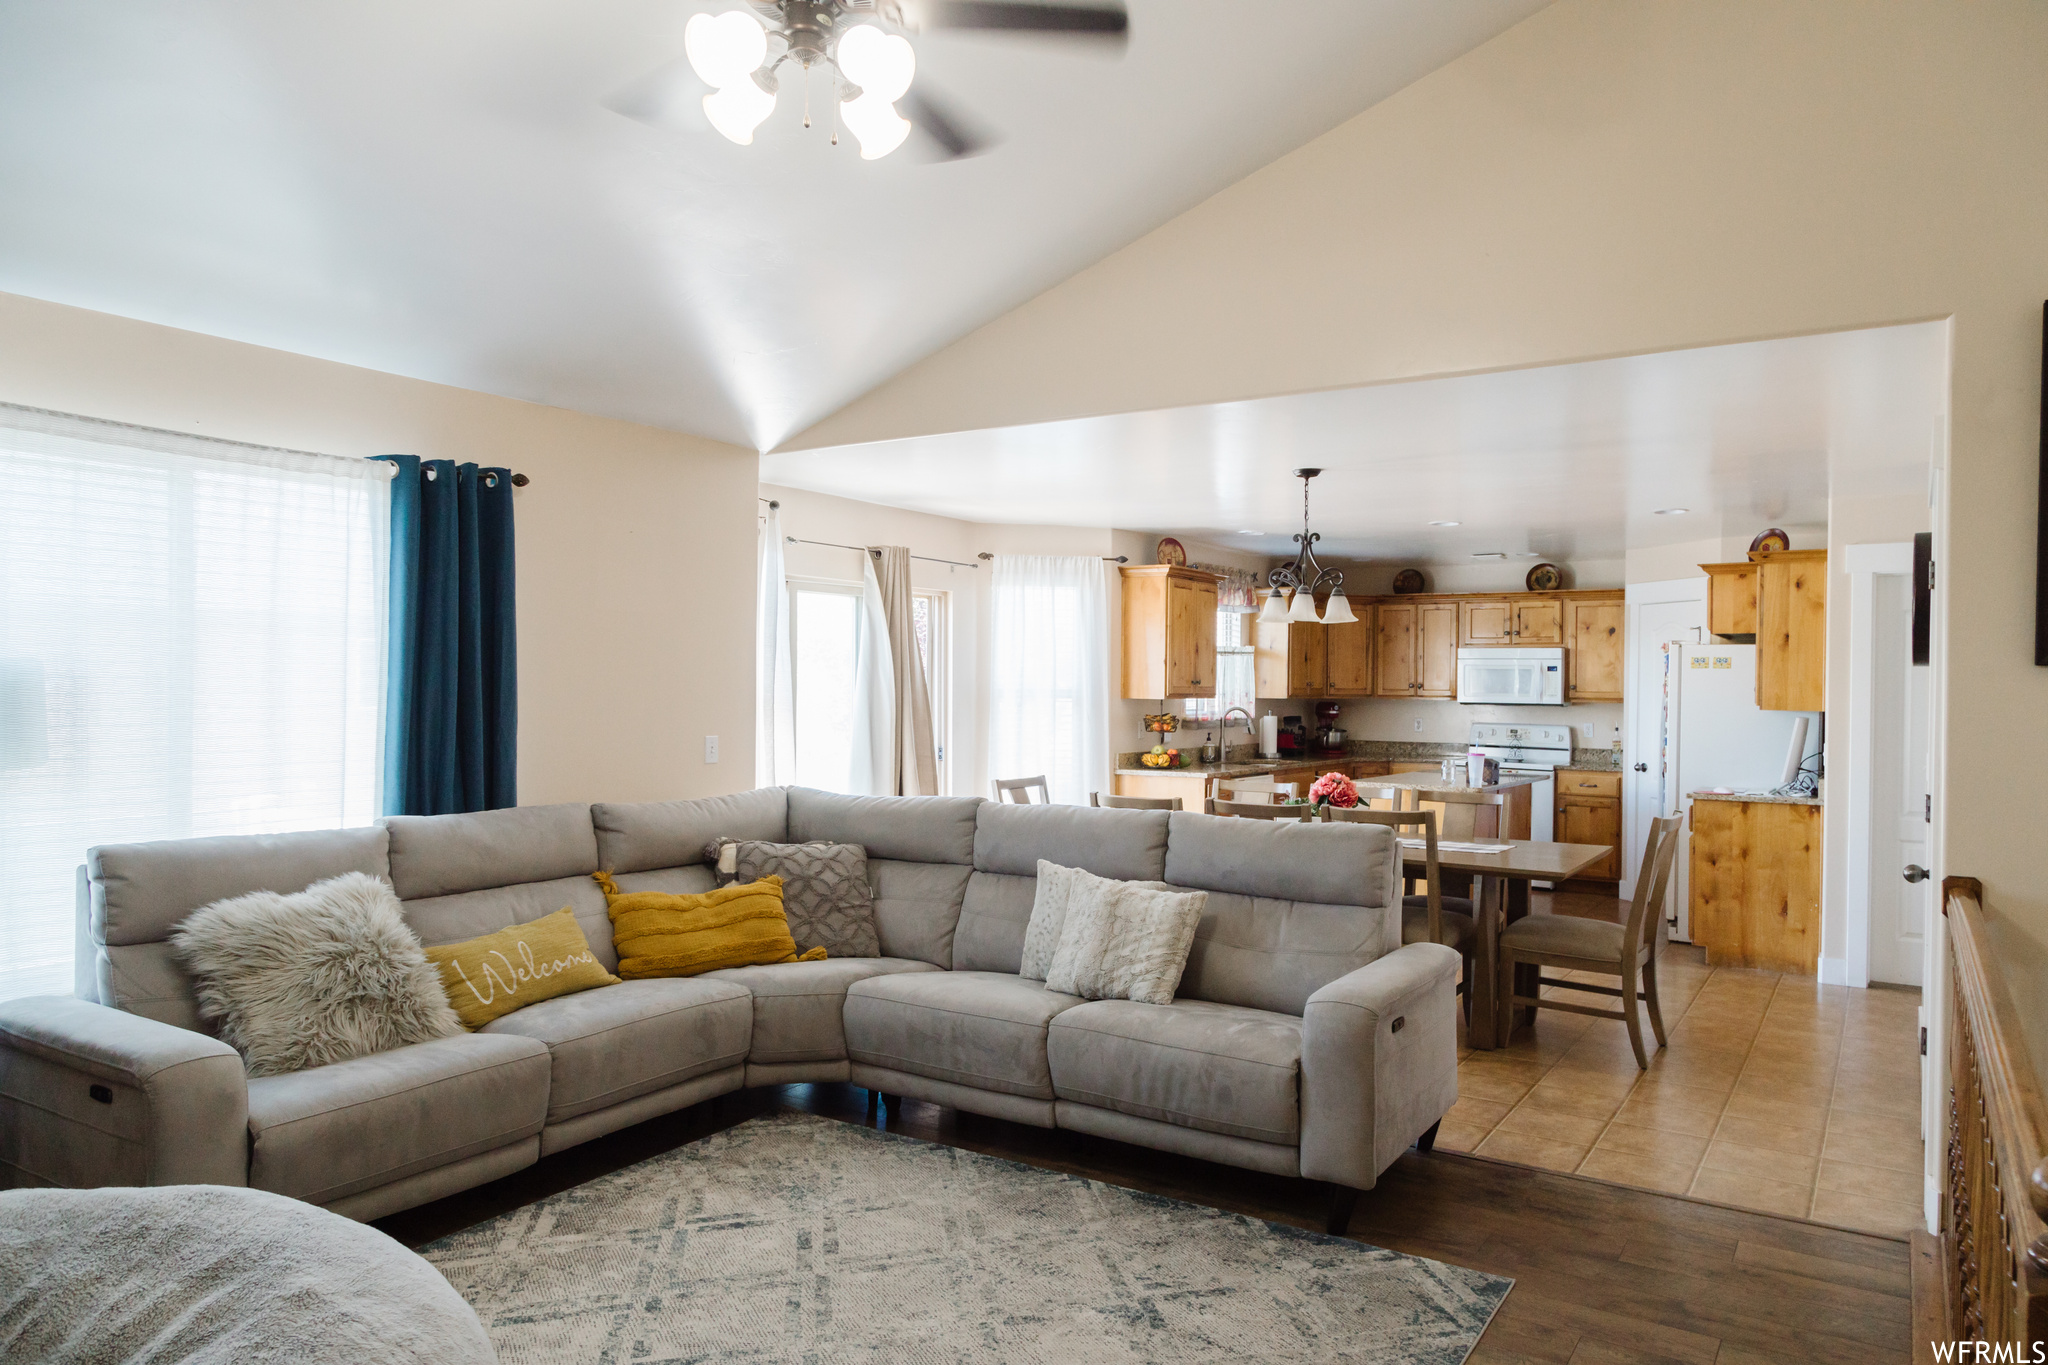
711	748
1418	727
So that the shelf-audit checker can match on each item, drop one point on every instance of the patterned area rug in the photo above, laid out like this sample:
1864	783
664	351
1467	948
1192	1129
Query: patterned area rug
798	1238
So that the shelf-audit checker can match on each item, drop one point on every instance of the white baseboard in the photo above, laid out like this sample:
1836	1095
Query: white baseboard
1834	971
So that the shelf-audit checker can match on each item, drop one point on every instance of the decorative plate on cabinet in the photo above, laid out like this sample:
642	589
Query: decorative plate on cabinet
1409	580
1545	578
1773	539
1172	552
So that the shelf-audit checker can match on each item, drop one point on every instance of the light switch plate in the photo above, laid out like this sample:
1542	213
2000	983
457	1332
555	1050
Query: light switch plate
1418	727
711	748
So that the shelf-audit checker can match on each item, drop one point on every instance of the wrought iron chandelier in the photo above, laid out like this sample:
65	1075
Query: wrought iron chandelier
1305	577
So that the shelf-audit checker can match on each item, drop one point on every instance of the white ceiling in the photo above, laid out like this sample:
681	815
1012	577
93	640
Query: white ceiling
432	189
1567	461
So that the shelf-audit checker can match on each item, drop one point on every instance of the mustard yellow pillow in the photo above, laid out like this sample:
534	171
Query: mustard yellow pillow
492	976
741	925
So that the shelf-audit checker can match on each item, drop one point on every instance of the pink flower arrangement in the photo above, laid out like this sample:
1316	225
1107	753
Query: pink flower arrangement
1334	789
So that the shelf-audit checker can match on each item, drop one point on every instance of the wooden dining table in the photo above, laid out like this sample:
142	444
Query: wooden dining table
1500	896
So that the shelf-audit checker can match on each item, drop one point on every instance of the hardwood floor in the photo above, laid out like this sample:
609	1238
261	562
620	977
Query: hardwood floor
1603	1273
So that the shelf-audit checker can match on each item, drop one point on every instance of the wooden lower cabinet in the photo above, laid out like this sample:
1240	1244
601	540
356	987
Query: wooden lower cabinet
1588	811
1755	884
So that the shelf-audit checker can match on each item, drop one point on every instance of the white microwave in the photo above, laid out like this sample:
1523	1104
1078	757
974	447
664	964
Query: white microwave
1511	677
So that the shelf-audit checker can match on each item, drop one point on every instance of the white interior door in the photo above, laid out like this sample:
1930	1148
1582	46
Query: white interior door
1658	614
1898	908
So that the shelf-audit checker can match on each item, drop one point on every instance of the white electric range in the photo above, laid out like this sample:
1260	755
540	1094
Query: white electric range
1536	751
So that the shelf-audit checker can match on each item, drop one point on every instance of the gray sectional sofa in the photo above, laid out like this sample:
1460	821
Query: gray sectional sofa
1305	1041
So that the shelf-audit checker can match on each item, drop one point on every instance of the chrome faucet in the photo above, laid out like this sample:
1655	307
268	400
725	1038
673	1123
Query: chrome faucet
1223	722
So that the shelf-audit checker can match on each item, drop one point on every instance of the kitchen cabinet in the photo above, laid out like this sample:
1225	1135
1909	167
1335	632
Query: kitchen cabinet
1347	657
1731	598
1792	630
1169	632
1415	649
1594	632
1754	883
1289	659
1588	811
1511	621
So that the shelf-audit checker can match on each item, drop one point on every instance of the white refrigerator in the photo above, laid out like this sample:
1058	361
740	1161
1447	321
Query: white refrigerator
1715	735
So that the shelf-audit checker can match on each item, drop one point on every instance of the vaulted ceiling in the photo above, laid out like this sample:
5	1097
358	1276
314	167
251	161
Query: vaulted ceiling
435	190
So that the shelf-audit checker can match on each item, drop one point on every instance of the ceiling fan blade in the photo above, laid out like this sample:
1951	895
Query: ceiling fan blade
669	97
948	133
1103	22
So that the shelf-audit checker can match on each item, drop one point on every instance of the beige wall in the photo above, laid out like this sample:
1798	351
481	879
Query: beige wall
1613	177
635	546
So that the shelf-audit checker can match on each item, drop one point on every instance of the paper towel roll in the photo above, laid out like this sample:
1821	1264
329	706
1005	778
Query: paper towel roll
1269	735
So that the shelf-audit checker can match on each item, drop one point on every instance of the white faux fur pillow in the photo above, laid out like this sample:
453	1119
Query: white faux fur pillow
1124	940
297	981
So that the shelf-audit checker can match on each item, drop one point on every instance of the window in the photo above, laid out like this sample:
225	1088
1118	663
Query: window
1233	669
824	630
191	643
932	610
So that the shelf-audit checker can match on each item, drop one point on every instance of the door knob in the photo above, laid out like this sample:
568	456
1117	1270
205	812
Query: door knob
1915	872
1642	767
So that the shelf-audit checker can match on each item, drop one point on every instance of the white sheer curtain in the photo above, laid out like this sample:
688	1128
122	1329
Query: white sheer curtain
774	691
874	694
1049	673
191	643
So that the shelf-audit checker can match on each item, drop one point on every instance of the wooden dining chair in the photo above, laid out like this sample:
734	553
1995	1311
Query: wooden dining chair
1272	796
1134	802
1017	790
1461	811
1397	798
1628	950
1260	810
1430	917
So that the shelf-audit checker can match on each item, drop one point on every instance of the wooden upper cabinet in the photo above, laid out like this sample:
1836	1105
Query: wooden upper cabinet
1169	632
1348	658
1394	649
1731	598
1594	631
1288	660
1511	621
1486	622
1792	630
1436	649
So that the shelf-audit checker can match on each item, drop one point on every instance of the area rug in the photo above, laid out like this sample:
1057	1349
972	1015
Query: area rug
797	1238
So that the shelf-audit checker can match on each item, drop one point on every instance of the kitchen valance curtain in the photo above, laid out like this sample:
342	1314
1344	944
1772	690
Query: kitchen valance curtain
452	700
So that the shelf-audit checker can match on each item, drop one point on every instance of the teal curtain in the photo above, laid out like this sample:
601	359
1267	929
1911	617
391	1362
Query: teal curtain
451	730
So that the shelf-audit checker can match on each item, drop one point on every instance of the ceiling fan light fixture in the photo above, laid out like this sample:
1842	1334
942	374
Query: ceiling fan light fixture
881	64
725	49
737	110
875	123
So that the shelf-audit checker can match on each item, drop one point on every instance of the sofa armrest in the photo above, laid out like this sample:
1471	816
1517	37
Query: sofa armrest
1379	1062
96	1096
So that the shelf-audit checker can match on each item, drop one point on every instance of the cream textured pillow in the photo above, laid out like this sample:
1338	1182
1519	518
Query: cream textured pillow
1124	940
327	974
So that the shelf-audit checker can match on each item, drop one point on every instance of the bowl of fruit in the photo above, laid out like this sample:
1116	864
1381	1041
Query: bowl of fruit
1162	757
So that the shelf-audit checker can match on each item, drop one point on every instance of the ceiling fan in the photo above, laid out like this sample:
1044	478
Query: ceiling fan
742	55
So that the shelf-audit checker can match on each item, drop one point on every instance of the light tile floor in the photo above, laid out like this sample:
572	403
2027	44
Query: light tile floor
1776	1094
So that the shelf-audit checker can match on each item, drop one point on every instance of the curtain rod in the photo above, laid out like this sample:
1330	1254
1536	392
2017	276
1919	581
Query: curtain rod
1107	559
835	545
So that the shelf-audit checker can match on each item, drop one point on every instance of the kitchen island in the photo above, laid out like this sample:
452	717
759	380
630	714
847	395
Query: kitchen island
1198	783
1753	879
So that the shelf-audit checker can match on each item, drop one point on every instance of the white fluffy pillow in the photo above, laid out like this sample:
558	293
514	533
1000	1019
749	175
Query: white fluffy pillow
297	981
1123	940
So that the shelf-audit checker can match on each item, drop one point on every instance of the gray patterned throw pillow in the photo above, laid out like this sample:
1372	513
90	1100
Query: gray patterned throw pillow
825	891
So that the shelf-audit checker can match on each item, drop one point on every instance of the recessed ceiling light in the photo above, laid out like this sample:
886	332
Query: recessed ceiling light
1489	554
1671	511
1251	533
1443	523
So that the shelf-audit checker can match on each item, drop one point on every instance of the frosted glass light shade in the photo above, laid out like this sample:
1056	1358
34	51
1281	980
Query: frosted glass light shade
881	64
1274	608
737	110
725	49
877	125
1337	611
1303	607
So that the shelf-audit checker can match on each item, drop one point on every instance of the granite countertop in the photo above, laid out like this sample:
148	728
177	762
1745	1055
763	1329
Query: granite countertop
1128	766
1763	798
1242	760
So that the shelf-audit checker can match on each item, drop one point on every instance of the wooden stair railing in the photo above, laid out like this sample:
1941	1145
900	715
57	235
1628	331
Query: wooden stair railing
1994	1205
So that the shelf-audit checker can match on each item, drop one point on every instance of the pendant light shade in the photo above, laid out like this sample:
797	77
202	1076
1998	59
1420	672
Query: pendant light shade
1303	608
1337	611
1274	609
